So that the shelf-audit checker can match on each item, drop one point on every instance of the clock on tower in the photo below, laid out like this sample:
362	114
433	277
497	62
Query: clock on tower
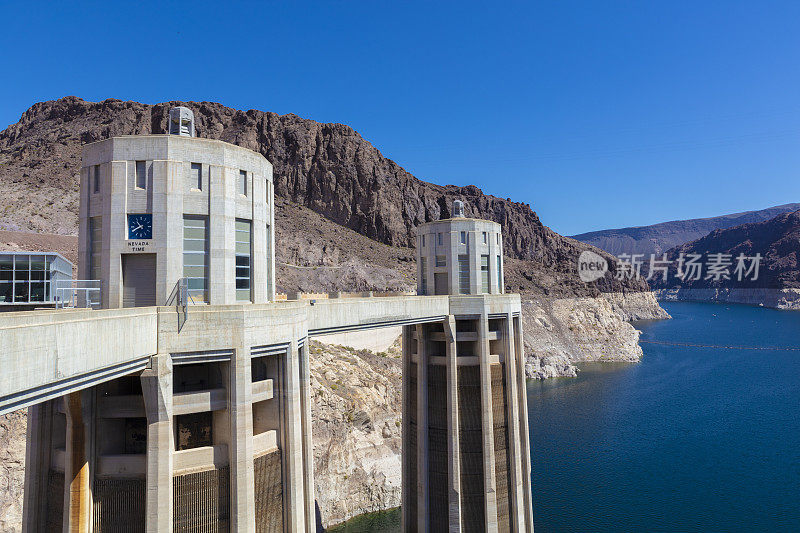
140	226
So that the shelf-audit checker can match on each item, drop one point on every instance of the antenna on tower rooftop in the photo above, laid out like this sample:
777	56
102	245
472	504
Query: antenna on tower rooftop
458	209
181	121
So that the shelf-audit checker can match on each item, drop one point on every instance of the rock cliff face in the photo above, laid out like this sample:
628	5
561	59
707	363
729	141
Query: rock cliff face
658	238
329	168
356	430
12	471
563	331
778	281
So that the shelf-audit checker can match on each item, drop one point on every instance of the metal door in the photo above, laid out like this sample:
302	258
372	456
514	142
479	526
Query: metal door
138	280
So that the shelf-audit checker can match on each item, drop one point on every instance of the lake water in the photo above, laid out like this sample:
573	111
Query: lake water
690	439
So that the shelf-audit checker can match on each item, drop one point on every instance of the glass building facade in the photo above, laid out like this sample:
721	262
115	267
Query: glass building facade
195	256
243	256
30	278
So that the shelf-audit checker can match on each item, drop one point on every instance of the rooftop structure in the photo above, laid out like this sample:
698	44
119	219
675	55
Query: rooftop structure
181	121
159	209
459	256
32	278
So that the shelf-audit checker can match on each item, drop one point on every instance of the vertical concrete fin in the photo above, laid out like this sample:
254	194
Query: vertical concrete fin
525	451
516	481
405	455
489	480
78	475
423	520
453	427
157	393
37	466
308	444
240	407
293	442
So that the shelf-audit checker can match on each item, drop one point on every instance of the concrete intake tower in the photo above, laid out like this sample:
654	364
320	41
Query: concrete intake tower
466	457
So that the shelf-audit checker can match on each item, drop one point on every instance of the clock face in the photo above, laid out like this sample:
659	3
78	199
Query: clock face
140	226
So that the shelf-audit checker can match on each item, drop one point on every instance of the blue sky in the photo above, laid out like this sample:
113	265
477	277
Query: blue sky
598	114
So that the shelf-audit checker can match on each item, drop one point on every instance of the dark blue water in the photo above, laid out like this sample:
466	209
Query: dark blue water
690	439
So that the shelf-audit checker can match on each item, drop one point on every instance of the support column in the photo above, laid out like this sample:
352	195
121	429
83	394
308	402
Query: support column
308	445
405	454
453	427
523	423
293	443
240	449
422	430
516	481
157	393
37	466
78	475
489	480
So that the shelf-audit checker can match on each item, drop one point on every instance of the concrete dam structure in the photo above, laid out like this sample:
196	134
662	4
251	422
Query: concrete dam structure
183	403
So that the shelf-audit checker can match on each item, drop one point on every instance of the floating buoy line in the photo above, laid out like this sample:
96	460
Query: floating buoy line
721	346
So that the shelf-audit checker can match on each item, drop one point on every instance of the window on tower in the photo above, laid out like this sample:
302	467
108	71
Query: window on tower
141	175
243	260
242	185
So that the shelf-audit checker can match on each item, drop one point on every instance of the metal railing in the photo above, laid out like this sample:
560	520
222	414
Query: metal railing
180	298
72	293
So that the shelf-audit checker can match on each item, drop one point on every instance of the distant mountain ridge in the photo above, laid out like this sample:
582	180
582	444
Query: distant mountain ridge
778	282
777	240
658	238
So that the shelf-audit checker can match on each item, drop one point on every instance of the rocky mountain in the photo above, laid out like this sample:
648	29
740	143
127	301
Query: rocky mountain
328	168
777	283
658	238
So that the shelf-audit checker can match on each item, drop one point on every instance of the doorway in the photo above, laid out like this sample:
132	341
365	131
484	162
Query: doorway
138	280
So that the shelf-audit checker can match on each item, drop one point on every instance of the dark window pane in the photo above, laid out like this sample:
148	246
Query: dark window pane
136	435
20	292
242	272
242	260
5	292
243	283
21	275
37	292
194	430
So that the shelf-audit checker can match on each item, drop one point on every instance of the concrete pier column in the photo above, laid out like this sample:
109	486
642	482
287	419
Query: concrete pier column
516	481
489	479
308	445
422	431
240	449
453	444
78	464
37	466
157	393
409	464
293	442
525	451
